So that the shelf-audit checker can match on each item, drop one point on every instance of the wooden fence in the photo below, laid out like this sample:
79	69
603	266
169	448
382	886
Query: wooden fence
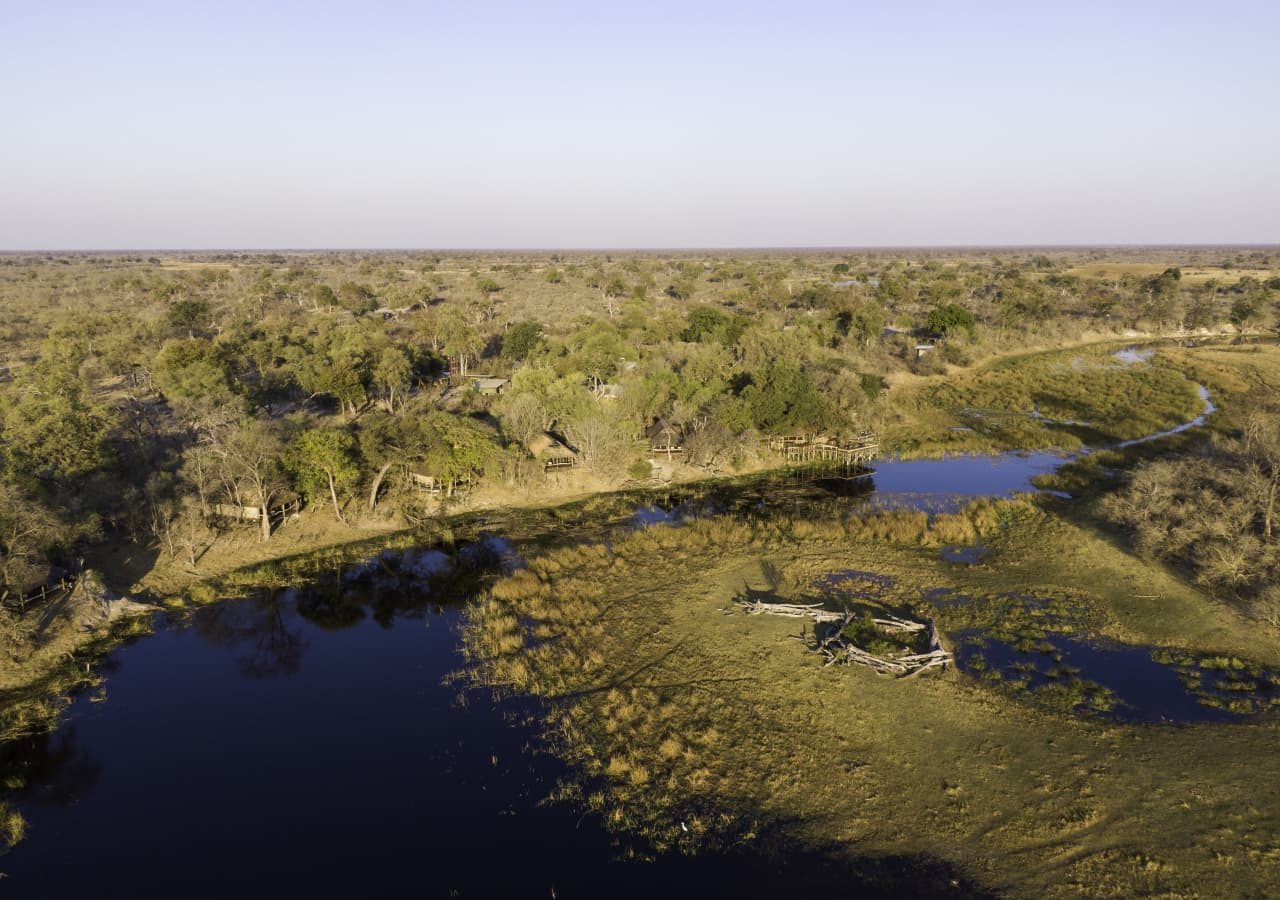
41	594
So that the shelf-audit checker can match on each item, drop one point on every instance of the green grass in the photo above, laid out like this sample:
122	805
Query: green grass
1084	396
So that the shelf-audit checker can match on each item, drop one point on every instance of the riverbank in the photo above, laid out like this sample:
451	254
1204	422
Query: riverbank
984	409
148	573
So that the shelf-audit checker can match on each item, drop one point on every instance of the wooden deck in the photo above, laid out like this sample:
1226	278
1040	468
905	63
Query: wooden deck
807	449
845	455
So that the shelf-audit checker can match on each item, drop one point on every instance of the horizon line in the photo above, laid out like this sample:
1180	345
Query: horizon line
762	248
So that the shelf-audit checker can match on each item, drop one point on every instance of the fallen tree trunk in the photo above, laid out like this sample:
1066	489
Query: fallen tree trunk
792	610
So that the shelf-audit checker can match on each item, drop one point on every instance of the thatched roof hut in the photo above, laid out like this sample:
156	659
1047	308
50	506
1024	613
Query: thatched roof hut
551	451
665	438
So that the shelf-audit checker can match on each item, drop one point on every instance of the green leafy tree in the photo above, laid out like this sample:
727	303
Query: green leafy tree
458	448
393	378
194	377
863	323
54	432
27	530
706	323
948	319
783	397
324	461
386	441
188	316
356	298
522	339
1246	310
463	342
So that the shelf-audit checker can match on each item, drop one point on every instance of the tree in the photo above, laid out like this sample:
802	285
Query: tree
323	296
1246	310
386	440
463	342
1262	444
356	298
26	531
602	446
250	466
864	322
706	323
523	418
783	397
947	319
393	378
522	339
341	372
1161	304
188	316
195	380
457	448
53	431
596	350
324	460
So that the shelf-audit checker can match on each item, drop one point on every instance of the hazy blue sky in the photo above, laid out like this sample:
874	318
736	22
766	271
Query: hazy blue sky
654	124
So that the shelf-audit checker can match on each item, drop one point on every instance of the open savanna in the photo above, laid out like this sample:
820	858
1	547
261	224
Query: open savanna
1194	274
680	713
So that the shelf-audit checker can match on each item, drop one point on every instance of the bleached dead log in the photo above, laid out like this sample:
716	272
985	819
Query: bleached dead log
840	651
791	610
895	624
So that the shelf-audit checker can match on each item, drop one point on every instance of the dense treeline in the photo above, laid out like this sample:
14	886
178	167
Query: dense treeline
141	394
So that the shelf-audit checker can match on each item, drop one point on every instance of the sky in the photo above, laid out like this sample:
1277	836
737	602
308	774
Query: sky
238	125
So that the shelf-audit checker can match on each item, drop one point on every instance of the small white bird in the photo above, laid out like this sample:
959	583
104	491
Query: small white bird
684	826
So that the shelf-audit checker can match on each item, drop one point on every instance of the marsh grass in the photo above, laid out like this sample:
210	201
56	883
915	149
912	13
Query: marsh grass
1058	400
44	677
671	709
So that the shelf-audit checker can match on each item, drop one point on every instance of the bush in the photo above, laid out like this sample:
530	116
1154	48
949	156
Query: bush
950	318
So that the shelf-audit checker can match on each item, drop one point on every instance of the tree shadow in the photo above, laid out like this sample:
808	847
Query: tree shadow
258	630
48	768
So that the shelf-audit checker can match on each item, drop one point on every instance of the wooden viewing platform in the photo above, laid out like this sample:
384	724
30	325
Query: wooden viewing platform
802	449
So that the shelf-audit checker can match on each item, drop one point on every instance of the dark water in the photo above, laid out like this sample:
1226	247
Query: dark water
1145	690
967	555
943	485
306	745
